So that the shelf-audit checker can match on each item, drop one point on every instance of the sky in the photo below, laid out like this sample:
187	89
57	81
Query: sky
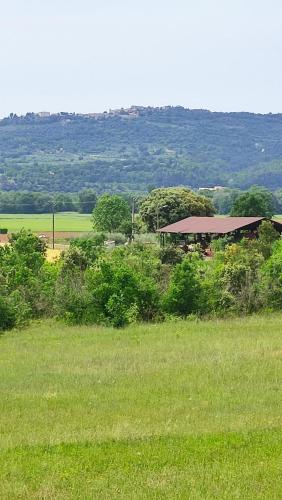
93	55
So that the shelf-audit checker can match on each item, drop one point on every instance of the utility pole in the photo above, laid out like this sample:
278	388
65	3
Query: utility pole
158	213
132	218
53	225
53	216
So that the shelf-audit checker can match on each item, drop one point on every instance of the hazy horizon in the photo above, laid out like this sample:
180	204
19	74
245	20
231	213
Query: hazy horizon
90	56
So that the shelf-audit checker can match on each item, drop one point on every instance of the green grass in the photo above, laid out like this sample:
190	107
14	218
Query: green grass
176	410
68	221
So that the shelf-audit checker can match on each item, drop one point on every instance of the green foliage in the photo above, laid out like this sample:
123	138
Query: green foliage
110	213
267	235
7	315
273	276
255	203
223	200
161	147
92	247
87	200
93	284
35	202
233	281
26	280
166	206
117	290
183	296
170	254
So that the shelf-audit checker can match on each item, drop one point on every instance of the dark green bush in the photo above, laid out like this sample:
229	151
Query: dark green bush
171	254
184	292
7	315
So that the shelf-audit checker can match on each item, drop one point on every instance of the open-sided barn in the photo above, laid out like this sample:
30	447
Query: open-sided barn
204	228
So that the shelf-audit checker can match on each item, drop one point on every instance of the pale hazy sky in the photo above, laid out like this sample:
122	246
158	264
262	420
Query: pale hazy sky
92	55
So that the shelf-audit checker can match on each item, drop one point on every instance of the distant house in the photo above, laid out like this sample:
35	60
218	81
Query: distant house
44	114
215	188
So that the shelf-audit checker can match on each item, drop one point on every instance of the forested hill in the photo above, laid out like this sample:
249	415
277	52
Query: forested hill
130	150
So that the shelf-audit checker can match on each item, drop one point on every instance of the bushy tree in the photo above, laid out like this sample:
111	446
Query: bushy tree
184	292
232	281
168	205
91	247
25	278
224	200
272	272
87	200
258	202
7	315
110	213
117	292
267	235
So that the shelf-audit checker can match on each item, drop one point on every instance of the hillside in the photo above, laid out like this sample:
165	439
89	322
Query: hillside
178	410
132	149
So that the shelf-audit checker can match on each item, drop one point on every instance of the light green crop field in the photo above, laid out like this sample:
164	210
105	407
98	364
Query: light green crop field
67	221
183	410
64	221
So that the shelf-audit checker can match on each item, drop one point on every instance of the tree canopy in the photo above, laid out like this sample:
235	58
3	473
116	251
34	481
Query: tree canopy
254	203
168	205
110	213
87	200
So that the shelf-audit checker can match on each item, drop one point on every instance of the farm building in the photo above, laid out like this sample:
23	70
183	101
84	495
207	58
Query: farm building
204	229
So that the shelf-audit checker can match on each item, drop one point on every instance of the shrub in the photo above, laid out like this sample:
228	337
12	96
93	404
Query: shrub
233	281
272	272
183	296
267	235
171	255
7	315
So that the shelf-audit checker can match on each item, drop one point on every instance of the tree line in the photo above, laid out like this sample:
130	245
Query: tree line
262	201
13	202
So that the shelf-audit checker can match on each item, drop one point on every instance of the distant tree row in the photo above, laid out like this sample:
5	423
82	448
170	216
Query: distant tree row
160	207
14	202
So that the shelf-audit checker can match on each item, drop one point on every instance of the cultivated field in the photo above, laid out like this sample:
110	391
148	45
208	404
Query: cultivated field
64	221
176	410
67	221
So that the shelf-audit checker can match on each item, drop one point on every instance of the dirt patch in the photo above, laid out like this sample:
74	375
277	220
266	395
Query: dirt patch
62	234
4	238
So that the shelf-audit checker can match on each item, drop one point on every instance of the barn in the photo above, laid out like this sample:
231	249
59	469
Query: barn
204	229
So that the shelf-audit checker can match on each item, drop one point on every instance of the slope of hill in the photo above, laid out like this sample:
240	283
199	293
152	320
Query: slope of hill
132	149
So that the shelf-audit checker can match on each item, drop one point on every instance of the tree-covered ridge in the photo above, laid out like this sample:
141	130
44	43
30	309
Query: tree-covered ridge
140	147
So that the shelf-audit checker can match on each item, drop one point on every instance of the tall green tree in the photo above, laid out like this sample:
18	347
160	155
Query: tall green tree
87	200
258	202
168	205
110	213
184	291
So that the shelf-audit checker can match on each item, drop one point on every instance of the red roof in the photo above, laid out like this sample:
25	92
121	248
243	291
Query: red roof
213	225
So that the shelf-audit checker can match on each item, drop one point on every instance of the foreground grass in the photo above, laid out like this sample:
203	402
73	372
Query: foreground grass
184	410
67	221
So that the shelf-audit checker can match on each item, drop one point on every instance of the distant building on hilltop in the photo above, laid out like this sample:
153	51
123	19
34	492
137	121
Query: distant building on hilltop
215	188
44	114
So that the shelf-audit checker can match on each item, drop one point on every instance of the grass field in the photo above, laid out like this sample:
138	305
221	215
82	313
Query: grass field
67	221
176	410
64	221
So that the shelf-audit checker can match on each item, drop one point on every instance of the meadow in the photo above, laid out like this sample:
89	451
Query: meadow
183	409
64	221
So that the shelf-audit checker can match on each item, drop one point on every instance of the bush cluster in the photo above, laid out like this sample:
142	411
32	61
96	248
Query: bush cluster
92	285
